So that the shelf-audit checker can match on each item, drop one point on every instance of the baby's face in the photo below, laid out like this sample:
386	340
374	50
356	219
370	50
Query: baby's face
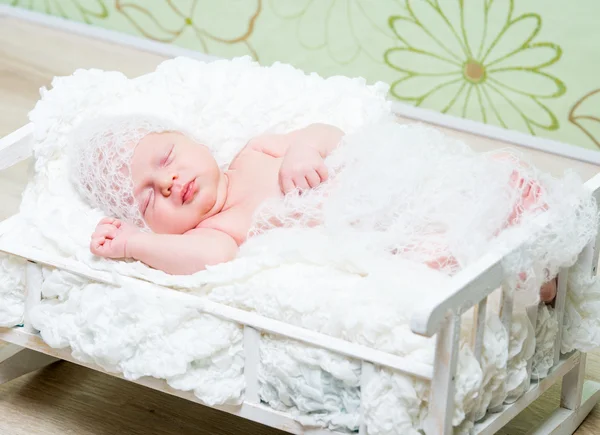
176	182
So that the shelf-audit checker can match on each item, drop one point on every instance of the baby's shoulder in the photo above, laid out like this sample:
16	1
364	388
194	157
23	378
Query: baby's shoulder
231	222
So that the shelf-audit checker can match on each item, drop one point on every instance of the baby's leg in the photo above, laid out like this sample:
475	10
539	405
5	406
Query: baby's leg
529	200
433	253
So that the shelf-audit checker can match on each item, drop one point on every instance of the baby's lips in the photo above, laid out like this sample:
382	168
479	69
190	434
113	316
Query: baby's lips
177	191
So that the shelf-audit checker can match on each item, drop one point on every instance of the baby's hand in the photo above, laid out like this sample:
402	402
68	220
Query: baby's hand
302	168
110	238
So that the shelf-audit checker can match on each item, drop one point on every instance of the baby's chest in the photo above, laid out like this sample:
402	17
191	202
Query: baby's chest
256	178
250	187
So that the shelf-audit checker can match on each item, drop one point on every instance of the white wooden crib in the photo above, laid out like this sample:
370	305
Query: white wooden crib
27	352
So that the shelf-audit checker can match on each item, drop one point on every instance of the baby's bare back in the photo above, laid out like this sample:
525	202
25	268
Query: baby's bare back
253	178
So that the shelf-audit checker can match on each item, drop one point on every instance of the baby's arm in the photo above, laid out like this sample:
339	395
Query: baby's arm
323	138
177	254
303	152
182	254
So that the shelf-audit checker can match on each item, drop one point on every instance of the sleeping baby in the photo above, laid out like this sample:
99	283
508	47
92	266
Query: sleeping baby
171	206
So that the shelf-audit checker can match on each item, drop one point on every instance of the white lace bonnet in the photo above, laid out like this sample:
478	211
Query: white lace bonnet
100	156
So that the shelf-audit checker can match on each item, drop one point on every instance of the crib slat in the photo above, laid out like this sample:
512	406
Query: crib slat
251	362
477	336
441	403
506	311
588	258
506	308
532	313
559	309
33	297
478	332
595	248
366	374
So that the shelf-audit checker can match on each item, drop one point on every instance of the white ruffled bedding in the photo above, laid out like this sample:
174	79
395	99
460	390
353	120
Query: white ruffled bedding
139	332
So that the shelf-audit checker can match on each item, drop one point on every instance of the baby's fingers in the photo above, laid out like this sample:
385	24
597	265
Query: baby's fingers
323	172
97	244
287	185
109	221
301	183
106	220
106	231
313	179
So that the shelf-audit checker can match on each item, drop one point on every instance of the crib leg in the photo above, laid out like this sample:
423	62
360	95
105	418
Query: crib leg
16	361
572	386
566	421
577	399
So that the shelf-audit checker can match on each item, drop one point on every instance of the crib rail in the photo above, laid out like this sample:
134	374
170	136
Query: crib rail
248	319
16	147
470	288
253	326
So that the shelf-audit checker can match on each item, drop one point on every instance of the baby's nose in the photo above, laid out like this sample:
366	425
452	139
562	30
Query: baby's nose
167	184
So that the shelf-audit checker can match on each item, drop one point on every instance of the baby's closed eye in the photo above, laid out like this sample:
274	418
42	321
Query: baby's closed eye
168	157
147	200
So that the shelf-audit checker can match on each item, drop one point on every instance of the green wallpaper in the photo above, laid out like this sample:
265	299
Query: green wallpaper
531	66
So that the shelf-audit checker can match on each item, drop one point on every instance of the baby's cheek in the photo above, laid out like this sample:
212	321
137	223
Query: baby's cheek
179	219
161	218
206	201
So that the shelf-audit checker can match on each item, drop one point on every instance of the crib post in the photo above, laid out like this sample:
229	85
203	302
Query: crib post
251	362
572	384
441	401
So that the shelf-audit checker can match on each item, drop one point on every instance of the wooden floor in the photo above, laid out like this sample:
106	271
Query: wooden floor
67	399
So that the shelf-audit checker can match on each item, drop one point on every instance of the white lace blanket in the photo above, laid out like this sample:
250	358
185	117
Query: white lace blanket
301	276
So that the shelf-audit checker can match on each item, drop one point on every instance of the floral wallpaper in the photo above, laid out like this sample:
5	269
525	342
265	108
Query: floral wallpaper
531	66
